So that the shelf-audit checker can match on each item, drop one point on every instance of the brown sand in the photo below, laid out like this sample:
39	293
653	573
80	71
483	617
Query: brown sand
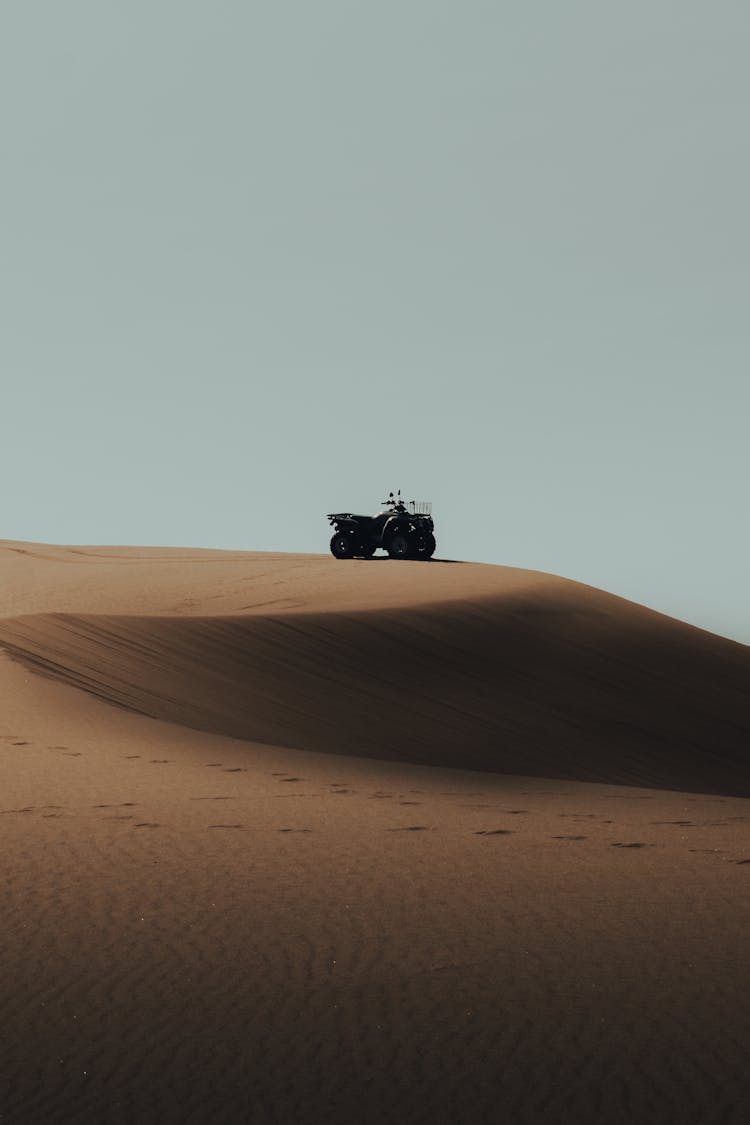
278	927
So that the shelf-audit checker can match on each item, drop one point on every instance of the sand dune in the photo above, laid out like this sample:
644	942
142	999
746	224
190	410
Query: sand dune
299	907
457	665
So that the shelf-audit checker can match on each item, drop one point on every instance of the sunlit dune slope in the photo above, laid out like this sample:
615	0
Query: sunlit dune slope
448	664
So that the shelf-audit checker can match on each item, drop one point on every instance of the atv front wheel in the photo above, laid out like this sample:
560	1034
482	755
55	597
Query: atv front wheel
399	547
342	545
424	547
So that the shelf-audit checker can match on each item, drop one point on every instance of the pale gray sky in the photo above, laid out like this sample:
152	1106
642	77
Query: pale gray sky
264	260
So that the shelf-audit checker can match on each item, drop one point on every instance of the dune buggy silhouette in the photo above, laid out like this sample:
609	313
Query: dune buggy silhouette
404	530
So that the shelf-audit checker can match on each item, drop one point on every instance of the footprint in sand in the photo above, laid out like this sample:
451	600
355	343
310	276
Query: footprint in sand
569	838
494	832
636	845
159	761
291	779
146	824
294	829
410	828
225	826
131	756
740	861
212	798
235	769
19	744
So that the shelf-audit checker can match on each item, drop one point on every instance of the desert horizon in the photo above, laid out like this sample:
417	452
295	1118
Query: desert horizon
290	839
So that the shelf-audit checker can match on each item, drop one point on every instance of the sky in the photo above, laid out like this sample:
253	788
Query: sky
260	261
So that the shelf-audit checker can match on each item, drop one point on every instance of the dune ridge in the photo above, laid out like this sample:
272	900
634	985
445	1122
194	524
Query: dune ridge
558	680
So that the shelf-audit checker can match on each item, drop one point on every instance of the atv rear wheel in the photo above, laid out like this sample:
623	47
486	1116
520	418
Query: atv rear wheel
342	545
400	546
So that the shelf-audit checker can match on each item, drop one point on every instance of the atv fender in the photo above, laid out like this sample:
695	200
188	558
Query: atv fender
394	525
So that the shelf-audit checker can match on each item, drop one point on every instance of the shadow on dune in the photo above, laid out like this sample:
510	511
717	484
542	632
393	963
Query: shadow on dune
573	684
387	558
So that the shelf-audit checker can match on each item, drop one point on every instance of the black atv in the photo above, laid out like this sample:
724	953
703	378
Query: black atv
405	531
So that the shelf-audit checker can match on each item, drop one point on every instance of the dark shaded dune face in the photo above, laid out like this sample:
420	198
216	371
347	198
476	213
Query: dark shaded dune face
569	684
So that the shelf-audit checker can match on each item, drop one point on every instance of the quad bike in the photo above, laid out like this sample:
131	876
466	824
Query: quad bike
405	531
